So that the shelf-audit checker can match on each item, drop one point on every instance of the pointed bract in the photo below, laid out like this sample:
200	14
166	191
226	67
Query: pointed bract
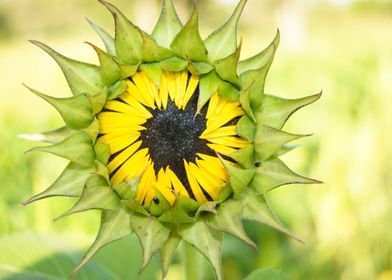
114	225
82	78
188	43
152	52
77	148
151	233
207	240
239	178
105	37
246	128
53	136
276	111
223	41
167	26
76	111
274	173
69	183
207	87
226	68
168	251
269	140
128	39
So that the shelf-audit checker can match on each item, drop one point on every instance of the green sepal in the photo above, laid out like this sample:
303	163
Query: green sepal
226	68
254	80
275	111
257	208
246	128
92	130
228	219
199	68
82	78
53	136
98	101
153	71
244	156
245	103
127	70
117	89
77	148
158	205
223	41
128	39
105	37
96	195
225	192
102	152
263	59
167	26
269	140
182	211
188	44
206	207
207	240
174	64
274	173
168	251
125	190
110	71
151	233
228	91
208	85
136	207
102	171
285	149
76	111
70	183
239	178
114	226
152	52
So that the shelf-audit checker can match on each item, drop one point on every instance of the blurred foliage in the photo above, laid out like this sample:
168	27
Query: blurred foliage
343	49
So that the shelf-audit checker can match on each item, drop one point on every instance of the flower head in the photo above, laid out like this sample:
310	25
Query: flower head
171	137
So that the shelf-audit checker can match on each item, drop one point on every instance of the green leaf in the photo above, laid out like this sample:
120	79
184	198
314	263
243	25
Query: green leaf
82	78
223	41
128	70
257	208
226	68
254	81
285	149
168	251
152	52
174	64
114	225
106	38
69	183
268	274
275	111
98	101
151	233
246	128
188	43
244	156
110	71
228	91
228	219
153	71
274	173
76	111
207	240
167	26
92	130
208	85
128	39
77	148
261	60
53	136
239	178
269	140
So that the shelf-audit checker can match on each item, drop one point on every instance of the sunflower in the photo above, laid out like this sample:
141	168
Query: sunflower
172	136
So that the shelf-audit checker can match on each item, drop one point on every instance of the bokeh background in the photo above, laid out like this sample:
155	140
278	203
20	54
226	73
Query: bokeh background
341	47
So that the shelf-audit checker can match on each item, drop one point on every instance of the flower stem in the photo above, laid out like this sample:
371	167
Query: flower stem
192	262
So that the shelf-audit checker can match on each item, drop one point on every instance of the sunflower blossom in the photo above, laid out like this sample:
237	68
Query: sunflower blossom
172	136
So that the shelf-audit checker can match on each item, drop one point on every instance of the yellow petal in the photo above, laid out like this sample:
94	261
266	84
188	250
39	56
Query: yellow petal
224	150
192	85
196	190
220	132
230	141
163	91
117	143
205	182
123	156
177	185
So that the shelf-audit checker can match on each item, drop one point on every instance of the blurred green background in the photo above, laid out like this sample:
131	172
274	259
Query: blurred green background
341	47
